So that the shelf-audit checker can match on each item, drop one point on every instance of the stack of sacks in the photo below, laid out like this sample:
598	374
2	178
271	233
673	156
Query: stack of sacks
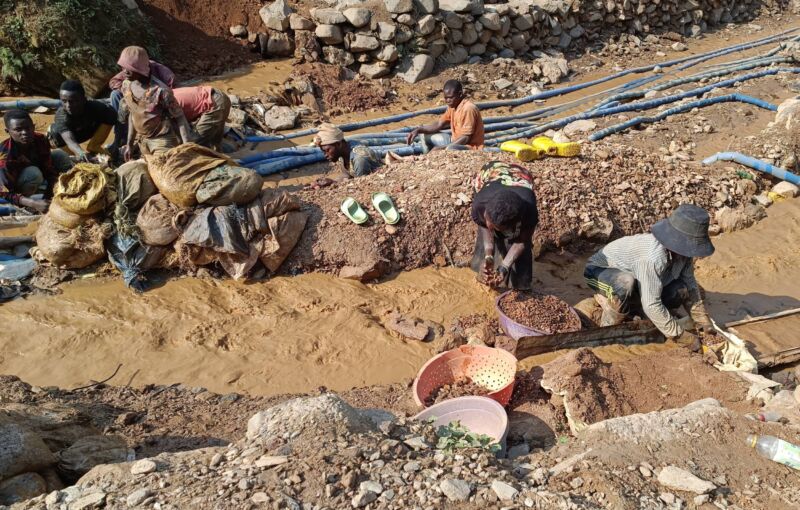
214	211
72	233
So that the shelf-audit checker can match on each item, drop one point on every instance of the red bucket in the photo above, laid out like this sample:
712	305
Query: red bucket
494	369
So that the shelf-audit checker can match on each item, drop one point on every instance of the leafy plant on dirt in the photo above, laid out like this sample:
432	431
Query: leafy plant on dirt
43	42
455	436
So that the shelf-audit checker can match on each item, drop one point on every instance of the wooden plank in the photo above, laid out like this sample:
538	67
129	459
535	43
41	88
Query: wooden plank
760	318
628	333
779	358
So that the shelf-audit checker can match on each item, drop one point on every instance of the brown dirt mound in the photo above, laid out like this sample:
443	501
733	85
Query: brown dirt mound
594	391
194	36
341	93
546	313
611	190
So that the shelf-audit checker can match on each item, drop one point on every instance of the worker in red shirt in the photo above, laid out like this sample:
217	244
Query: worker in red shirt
207	109
27	163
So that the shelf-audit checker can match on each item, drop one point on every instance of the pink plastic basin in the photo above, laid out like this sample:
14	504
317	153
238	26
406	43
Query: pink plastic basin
481	415
494	369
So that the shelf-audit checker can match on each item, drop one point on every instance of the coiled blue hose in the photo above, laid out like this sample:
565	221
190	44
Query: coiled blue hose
599	135
755	164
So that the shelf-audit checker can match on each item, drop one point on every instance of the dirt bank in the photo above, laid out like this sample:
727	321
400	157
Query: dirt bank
611	190
194	34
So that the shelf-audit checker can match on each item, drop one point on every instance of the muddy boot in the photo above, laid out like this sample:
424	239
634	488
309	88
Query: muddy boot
612	310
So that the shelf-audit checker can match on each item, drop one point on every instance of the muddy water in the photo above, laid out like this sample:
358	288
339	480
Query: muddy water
284	335
295	334
755	272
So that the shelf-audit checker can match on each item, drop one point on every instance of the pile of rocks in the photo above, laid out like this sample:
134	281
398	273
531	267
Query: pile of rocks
44	446
609	191
318	452
378	36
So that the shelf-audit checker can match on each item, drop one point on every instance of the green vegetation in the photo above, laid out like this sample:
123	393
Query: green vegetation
43	42
455	436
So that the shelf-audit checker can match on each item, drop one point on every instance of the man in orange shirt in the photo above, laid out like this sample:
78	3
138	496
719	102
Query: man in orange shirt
462	117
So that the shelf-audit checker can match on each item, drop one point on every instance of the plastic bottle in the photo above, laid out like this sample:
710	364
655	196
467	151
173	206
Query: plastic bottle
776	449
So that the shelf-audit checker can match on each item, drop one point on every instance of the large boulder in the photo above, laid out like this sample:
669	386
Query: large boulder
427	6
276	15
788	113
297	22
21	487
473	6
359	43
399	6
91	451
281	117
307	418
357	16
59	426
730	220
328	16
456	55
376	70
329	34
388	53
279	44
490	21
386	31
21	450
426	25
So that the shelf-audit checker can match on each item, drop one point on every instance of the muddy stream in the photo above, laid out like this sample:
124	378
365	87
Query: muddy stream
294	334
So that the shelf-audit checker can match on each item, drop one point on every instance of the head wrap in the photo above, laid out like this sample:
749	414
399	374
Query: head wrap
328	134
135	59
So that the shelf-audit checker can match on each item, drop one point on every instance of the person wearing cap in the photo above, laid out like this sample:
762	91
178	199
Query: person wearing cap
358	160
79	120
153	111
159	71
462	117
653	273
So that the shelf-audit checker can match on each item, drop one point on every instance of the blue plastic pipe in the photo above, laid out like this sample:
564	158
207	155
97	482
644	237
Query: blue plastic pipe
599	135
686	61
690	79
755	164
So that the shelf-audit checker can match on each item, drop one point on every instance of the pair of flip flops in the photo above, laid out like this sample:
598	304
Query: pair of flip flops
382	203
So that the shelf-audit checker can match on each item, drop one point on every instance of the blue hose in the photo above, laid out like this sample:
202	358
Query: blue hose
755	164
24	104
686	61
689	79
646	105
599	135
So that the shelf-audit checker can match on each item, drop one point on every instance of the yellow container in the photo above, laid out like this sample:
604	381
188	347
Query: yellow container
552	148
521	150
545	144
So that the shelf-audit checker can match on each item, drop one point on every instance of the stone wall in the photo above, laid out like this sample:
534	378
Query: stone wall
408	36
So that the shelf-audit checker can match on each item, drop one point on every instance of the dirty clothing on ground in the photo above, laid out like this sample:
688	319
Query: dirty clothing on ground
653	268
494	178
466	119
96	121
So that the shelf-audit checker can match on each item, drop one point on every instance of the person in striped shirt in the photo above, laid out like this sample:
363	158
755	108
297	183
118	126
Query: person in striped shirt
651	274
